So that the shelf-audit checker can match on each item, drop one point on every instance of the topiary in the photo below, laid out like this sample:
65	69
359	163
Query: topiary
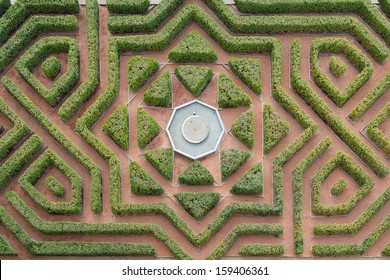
249	71
194	78
231	160
51	67
275	128
337	67
162	160
142	183
159	93
196	174
244	128
251	183
117	127
140	69
147	128
197	204
229	94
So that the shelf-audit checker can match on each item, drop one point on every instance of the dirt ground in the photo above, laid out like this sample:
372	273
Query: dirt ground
162	115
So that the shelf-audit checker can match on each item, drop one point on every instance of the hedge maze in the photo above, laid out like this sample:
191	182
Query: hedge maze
87	167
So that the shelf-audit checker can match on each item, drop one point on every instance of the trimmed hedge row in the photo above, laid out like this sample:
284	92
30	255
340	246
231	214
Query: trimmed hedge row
261	250
76	152
193	48
34	55
87	88
128	6
194	78
14	134
162	160
354	227
249	71
142	183
353	54
33	173
258	229
337	66
376	134
251	182
54	186
5	247
51	67
332	119
4	5
61	227
159	93
197	204
18	159
140	69
365	182
370	98
231	160
297	182
339	187
117	126
229	94
385	5
244	128
275	128
147	128
57	248
12	48
196	174
354	248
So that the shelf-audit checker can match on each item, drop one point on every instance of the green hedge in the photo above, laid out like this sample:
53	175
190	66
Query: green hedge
244	128
251	182
140	69
27	33
229	94
34	55
35	171
4	5
193	48
13	135
51	67
142	183
194	78
147	128
60	137
330	117
54	186
353	54
197	204
159	92
249	71
370	98
385	5
128	6
365	182
196	174
117	126
339	187
6	248
274	128
231	160
14	164
337	66
376	134
61	227
162	160
87	88
244	229
297	183
261	250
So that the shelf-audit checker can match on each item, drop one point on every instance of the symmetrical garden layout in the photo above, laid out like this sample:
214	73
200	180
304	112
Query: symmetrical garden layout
195	129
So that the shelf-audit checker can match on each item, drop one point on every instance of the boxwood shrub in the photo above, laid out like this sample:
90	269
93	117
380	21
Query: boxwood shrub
147	128
339	187
274	128
142	183
193	48
196	174
54	186
244	128
252	182
229	94
337	66
249	71
376	134
51	67
117	126
197	204
162	160
261	250
159	92
140	69
194	78
231	160
128	6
